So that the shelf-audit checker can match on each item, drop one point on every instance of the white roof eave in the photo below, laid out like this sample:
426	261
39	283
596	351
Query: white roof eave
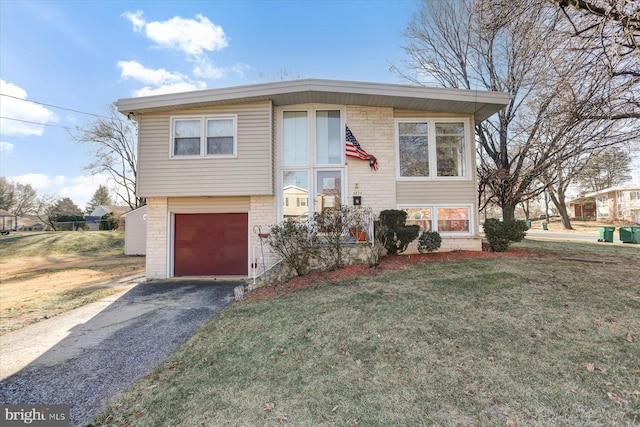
480	103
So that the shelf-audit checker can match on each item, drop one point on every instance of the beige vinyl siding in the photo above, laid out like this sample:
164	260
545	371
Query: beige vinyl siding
441	190
209	204
250	173
435	192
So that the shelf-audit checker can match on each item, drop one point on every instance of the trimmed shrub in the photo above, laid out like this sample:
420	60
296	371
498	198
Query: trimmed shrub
429	241
396	235
501	234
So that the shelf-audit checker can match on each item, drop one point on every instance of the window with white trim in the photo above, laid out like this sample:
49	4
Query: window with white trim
311	160
432	148
204	136
602	207
441	218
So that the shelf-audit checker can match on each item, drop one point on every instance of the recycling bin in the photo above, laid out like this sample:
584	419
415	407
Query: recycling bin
630	234
606	234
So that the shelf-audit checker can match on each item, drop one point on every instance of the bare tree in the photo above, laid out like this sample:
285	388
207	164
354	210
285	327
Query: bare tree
610	31
614	23
501	46
281	74
20	199
114	143
25	199
7	194
475	45
606	169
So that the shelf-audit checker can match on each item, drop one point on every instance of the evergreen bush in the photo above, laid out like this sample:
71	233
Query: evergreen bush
429	241
500	234
397	235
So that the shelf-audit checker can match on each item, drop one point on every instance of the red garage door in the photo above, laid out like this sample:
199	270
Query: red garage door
211	244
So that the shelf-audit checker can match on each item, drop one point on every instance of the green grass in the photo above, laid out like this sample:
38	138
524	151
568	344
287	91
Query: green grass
538	341
89	243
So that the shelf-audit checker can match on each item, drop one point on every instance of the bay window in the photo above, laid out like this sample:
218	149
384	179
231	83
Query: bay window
432	148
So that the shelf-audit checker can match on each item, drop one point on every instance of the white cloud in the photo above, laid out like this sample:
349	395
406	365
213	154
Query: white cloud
192	36
135	70
240	69
207	70
37	180
165	81
80	188
136	20
21	109
6	147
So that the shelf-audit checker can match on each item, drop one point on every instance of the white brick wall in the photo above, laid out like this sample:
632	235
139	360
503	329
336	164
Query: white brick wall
157	216
263	215
373	127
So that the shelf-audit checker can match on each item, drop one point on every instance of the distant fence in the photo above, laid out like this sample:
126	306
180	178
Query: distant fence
72	226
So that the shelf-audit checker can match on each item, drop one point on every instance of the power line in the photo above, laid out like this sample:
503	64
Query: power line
36	123
55	106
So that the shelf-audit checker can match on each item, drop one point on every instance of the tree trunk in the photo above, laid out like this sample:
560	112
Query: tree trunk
508	211
562	209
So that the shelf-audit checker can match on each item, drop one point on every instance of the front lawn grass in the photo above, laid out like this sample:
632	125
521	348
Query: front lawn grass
536	341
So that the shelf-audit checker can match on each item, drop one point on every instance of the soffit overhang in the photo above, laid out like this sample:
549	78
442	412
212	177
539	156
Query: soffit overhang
482	104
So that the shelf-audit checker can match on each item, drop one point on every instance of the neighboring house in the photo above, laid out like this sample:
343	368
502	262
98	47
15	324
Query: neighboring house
9	222
93	219
296	202
618	204
31	223
135	231
583	208
217	165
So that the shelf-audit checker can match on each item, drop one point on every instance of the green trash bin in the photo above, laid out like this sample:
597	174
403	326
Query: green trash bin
606	234
630	234
544	226
528	224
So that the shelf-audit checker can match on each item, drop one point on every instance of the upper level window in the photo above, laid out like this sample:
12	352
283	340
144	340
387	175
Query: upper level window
329	145
204	137
312	160
432	148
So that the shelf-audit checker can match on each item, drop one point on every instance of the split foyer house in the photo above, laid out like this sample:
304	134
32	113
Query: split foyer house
218	165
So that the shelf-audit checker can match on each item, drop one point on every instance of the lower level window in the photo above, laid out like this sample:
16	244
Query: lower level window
453	219
443	219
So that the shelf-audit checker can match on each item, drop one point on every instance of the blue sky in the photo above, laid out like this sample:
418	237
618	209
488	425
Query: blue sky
84	55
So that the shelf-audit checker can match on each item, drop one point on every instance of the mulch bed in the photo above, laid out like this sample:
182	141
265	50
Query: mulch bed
394	262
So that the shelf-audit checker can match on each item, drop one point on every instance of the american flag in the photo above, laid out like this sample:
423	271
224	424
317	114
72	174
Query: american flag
355	150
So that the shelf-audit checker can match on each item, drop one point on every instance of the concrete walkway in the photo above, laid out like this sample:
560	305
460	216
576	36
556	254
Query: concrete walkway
89	355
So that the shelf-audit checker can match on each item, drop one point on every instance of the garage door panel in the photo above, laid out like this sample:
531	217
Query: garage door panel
211	244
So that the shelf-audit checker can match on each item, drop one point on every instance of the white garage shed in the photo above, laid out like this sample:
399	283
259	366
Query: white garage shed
135	231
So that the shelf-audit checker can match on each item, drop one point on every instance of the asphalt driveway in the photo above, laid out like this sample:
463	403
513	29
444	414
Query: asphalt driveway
86	357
